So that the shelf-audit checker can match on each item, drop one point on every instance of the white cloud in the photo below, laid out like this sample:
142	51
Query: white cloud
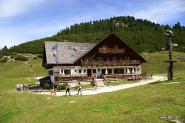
11	8
8	42
159	11
162	11
17	34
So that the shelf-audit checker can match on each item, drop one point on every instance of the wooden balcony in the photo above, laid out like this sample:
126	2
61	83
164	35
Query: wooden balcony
111	63
111	51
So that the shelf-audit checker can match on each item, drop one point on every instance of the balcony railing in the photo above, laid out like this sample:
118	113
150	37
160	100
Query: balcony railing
111	51
110	63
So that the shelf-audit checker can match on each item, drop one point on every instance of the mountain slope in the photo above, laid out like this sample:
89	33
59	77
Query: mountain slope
141	35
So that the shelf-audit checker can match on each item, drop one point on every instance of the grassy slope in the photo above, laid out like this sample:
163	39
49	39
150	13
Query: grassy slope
144	40
141	104
18	72
155	63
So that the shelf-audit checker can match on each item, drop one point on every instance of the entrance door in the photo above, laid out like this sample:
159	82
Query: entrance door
94	72
89	72
103	71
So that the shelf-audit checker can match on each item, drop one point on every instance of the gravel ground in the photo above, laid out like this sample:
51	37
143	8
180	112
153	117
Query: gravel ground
111	88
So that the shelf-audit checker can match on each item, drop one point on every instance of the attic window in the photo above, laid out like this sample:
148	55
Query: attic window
75	48
116	46
104	46
70	48
82	49
127	57
99	58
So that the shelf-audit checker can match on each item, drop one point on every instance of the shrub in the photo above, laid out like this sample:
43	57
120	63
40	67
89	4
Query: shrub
75	87
40	56
46	86
12	57
34	57
21	58
1	56
3	60
62	86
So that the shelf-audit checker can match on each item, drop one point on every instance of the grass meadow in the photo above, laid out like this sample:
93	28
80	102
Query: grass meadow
150	103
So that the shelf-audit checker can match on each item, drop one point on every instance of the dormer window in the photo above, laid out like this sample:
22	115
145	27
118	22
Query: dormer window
99	58
116	46
127	57
104	46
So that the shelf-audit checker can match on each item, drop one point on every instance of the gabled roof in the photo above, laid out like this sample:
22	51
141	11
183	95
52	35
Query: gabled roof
71	52
114	38
65	52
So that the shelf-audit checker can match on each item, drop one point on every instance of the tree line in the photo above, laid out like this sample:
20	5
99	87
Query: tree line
115	24
140	34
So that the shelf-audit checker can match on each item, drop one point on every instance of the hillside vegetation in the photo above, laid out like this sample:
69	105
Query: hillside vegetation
25	71
141	35
145	104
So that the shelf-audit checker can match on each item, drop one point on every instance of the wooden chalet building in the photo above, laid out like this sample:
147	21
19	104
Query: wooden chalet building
111	57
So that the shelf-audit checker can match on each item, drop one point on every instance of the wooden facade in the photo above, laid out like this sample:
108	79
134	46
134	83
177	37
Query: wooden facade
111	57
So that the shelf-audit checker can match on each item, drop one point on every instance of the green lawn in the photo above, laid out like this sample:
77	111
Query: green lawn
144	104
119	82
18	72
156	65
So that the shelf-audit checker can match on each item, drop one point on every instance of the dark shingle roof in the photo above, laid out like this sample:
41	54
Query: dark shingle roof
65	52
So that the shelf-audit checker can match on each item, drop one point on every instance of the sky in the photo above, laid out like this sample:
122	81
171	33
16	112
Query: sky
26	20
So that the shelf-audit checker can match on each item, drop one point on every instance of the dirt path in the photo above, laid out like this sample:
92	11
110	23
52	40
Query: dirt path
112	88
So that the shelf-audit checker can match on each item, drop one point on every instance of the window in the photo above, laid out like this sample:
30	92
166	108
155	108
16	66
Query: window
116	46
131	70
104	46
113	58
111	46
109	71
86	59
61	71
118	71
50	72
82	49
80	71
67	72
99	59
127	57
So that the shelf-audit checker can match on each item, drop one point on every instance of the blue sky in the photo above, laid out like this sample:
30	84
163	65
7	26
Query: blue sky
25	20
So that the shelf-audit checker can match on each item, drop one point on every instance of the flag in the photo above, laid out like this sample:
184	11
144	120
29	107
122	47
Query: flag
55	47
55	52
